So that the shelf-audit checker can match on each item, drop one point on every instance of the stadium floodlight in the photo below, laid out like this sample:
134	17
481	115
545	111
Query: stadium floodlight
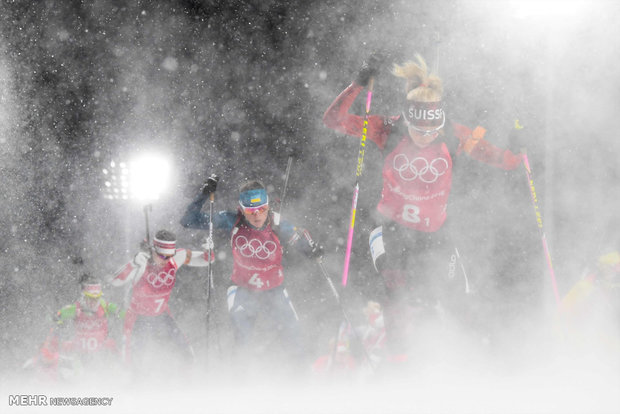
148	177
143	179
116	184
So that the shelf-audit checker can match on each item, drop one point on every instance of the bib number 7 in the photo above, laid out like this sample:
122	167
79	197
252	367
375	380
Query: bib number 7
160	303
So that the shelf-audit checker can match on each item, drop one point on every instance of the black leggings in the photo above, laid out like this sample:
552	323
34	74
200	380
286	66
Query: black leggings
421	276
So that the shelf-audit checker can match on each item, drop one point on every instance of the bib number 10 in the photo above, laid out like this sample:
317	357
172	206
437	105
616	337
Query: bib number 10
89	344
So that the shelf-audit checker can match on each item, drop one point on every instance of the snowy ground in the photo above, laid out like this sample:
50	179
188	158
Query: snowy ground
453	373
534	388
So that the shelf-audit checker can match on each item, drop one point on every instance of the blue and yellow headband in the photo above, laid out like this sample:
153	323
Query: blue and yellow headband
254	198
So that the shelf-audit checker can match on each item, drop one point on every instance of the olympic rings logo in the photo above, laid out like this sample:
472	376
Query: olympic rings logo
255	248
420	168
161	279
89	324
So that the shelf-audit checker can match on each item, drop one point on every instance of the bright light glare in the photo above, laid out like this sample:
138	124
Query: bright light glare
548	10
148	177
143	179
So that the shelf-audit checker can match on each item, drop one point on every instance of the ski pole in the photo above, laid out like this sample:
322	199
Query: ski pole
146	220
289	163
311	242
458	258
211	245
344	314
528	172
358	173
211	250
147	208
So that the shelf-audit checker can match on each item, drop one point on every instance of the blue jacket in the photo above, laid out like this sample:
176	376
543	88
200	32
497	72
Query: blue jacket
195	218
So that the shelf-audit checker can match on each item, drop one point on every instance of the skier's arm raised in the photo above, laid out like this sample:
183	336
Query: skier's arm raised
130	271
195	218
338	118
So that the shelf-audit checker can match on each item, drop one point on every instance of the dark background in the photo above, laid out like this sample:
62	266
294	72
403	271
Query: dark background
236	87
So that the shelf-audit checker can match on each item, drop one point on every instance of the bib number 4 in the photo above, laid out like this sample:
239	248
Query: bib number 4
256	281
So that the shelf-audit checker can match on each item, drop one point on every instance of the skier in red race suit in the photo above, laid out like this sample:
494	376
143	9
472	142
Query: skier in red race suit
258	239
150	279
80	337
410	246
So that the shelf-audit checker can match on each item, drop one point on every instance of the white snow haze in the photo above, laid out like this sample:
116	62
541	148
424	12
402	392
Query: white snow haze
236	87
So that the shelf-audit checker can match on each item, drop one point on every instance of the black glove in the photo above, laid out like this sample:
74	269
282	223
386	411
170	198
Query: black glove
316	251
370	69
210	185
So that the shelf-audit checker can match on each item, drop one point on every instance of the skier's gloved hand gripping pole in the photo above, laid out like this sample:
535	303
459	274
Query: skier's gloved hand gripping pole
365	77
530	180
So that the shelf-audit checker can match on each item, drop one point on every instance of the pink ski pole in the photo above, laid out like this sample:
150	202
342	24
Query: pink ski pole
541	231
360	164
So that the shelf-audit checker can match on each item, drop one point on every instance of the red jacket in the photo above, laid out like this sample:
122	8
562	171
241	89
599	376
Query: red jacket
416	181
